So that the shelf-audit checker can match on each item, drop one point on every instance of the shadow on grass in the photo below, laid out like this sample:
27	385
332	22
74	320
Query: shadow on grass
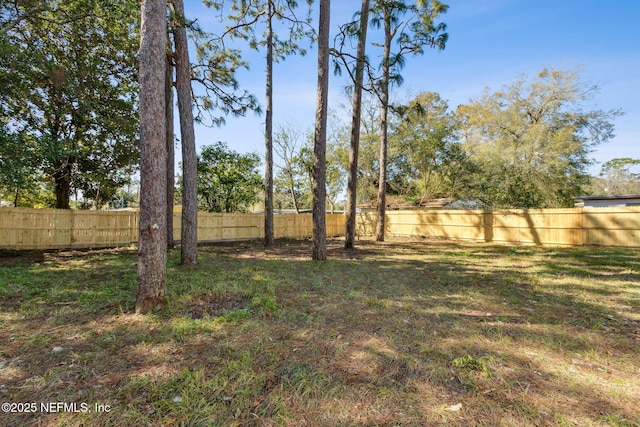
370	337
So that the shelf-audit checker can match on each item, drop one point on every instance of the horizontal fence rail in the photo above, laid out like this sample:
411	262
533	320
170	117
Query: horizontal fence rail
24	228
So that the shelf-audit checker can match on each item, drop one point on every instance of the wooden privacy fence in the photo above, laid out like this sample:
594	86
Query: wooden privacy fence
616	226
24	228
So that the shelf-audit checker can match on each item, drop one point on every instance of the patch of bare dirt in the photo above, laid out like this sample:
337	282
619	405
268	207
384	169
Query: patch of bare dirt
216	305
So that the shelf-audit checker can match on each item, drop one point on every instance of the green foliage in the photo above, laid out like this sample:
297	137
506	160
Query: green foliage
70	82
244	17
427	136
617	177
470	363
18	173
413	27
122	199
531	140
227	181
214	69
265	305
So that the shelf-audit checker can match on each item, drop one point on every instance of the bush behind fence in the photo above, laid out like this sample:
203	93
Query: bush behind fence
24	228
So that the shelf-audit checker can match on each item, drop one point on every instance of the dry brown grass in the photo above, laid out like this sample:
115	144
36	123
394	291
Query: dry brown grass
400	333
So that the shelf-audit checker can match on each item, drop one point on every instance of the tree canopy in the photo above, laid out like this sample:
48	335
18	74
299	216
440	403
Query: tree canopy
227	180
69	75
426	134
619	176
533	138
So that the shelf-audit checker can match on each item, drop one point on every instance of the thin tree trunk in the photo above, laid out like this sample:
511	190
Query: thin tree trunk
352	178
384	114
189	231
294	198
170	147
152	239
268	136
320	140
382	177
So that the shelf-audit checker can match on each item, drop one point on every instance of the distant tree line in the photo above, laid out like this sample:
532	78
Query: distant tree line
526	145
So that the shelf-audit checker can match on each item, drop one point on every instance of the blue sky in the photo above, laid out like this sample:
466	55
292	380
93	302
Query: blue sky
491	43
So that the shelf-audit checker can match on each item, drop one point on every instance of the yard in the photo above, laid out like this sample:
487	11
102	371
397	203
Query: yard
401	333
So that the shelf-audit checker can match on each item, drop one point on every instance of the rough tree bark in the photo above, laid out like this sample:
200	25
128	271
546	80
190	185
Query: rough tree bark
62	181
268	136
189	231
384	140
352	175
152	240
169	141
320	138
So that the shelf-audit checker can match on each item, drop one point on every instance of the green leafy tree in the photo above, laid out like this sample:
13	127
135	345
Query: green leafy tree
369	153
99	189
13	12
433	160
70	75
532	139
19	177
227	181
617	177
413	27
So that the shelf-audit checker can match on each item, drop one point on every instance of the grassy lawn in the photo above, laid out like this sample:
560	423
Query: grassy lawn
397	334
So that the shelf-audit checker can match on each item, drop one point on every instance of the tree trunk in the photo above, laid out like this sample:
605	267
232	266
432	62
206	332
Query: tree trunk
62	182
189	232
384	140
152	239
382	177
170	147
268	136
320	138
352	177
294	199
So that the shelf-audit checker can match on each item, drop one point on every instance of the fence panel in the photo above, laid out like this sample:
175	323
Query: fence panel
23	228
538	226
554	227
97	229
614	226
